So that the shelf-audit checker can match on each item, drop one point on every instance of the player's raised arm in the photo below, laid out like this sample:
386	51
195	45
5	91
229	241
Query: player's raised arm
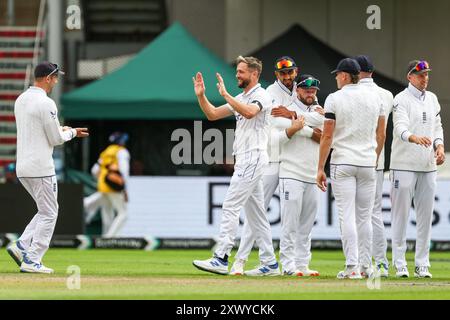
248	111
211	112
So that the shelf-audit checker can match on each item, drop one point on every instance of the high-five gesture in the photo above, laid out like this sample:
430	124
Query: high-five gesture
221	85
199	84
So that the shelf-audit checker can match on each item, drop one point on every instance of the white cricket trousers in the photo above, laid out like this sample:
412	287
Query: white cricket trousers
270	184
113	211
299	205
406	186
37	235
379	241
246	191
354	192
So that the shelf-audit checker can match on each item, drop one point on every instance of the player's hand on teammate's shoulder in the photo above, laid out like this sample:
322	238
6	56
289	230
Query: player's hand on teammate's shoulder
82	132
320	110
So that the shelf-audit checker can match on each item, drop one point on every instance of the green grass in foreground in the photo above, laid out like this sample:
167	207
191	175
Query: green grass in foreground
169	274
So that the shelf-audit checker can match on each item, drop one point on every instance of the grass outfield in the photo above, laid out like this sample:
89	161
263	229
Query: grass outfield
169	275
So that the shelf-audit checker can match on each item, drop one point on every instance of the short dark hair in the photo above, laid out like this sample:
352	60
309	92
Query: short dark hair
354	78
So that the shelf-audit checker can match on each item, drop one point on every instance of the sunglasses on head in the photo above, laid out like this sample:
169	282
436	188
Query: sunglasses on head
420	66
284	64
310	82
54	71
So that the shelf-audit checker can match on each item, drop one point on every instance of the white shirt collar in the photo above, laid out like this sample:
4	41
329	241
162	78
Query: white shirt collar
285	89
349	86
416	92
366	80
256	87
38	89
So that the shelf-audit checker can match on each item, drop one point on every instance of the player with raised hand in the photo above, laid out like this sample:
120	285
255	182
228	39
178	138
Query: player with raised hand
38	131
250	108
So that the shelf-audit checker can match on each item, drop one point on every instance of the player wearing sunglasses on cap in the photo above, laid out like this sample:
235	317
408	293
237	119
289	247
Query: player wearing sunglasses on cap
379	242
298	192
417	147
38	132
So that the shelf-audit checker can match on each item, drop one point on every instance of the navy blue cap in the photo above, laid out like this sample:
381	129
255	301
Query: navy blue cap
45	69
119	138
285	63
348	65
312	83
365	63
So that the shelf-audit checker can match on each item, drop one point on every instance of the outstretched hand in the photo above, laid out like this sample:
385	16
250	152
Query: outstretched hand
221	85
199	84
82	132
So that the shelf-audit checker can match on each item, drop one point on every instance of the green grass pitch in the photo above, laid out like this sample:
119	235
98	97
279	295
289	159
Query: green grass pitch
169	275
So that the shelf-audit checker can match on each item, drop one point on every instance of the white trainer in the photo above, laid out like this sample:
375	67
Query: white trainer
306	272
422	272
264	270
16	252
350	273
402	272
383	270
238	268
366	271
212	265
34	268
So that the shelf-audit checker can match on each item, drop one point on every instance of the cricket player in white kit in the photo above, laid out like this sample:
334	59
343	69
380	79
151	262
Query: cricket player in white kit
251	109
417	147
283	93
355	128
379	241
38	131
298	192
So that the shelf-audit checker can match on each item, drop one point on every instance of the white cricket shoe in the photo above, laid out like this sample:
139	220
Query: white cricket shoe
213	265
422	272
402	272
383	270
350	273
238	268
264	270
366	271
306	272
34	268
16	252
